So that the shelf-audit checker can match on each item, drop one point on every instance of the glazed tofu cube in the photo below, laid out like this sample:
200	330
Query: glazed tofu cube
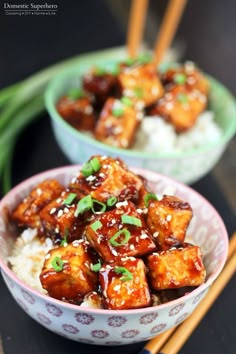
124	285
181	107
120	232
112	179
141	83
77	112
168	220
67	274
27	212
117	123
59	220
187	75
101	85
176	268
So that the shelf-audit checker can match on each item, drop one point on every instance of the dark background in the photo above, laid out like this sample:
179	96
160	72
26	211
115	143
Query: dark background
206	35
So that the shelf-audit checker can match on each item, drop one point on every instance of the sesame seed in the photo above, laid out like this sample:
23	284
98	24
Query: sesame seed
169	217
52	210
60	213
117	287
88	110
156	234
114	252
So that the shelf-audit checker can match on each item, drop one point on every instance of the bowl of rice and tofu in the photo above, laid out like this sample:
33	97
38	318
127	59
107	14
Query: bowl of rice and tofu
107	254
166	120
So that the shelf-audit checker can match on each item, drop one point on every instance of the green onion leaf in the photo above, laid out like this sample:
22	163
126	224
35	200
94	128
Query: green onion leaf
95	164
120	238
57	264
111	201
182	98
180	79
96	267
83	205
126	101
87	169
132	220
76	93
98	207
148	197
126	273
96	225
117	111
70	198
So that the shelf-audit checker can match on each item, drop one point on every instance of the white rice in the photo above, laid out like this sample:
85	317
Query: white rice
27	257
157	135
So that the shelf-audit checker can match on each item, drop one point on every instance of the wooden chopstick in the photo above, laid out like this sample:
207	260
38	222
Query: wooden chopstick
175	338
168	28
136	24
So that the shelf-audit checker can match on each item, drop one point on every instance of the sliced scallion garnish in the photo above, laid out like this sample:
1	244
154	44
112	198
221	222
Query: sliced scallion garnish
138	91
94	162
70	198
76	93
91	167
98	207
111	201
120	238
64	240
131	220
126	101
126	274
84	204
182	98
148	197
180	78
118	111
96	225
57	264
96	267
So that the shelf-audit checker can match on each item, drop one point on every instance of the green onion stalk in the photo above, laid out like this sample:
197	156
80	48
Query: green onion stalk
20	104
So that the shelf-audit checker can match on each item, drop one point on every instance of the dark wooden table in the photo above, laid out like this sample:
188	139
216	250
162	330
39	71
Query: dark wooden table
30	43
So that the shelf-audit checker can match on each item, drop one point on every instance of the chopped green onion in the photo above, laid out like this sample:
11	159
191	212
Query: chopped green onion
76	93
96	225
64	240
144	58
111	201
149	197
115	70
95	164
70	198
87	169
132	220
138	91
129	61
96	267
90	167
120	238
180	79
98	207
57	264
126	273
182	98
99	71
117	111
83	205
126	101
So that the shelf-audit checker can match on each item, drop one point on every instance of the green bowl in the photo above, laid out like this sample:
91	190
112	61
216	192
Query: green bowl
186	167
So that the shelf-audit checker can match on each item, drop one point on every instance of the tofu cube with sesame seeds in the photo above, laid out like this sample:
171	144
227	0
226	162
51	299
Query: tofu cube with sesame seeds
112	179
176	268
59	220
120	232
181	107
79	112
101	84
67	274
168	220
117	123
26	214
124	285
141	83
187	75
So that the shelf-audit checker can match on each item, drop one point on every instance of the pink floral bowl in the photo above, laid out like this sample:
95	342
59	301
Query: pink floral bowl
111	327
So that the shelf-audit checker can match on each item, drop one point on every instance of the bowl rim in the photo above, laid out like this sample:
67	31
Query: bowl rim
76	69
69	170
